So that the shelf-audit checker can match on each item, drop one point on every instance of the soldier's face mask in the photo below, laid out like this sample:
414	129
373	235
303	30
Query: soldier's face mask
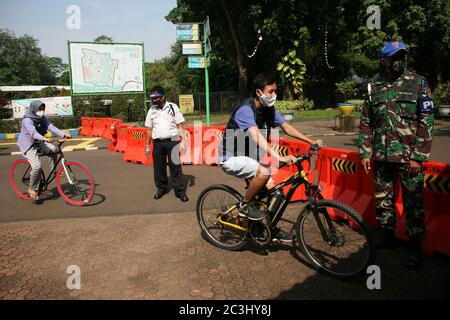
395	64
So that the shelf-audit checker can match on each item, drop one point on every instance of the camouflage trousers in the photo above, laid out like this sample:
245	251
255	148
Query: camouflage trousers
386	174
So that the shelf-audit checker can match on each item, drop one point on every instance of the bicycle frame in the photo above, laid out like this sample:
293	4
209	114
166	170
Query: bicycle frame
51	176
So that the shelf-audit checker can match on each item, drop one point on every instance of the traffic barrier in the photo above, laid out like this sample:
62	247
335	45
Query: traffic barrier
86	126
136	145
212	136
111	124
99	126
436	196
192	140
343	179
121	134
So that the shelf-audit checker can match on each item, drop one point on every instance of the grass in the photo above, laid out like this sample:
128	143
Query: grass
222	119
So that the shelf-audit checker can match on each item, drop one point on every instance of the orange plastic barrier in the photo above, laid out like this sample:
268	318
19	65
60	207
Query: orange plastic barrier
194	144
135	150
111	124
212	136
121	137
436	197
342	178
86	126
99	126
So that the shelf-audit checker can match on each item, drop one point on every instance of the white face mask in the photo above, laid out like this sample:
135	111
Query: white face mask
268	101
40	113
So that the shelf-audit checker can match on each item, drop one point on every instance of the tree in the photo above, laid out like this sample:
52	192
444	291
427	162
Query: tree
103	38
22	63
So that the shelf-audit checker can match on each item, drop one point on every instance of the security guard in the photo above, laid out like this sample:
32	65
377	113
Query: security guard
396	130
164	121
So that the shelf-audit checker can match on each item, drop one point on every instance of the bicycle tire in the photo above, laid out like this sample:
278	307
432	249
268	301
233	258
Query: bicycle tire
64	190
348	219
20	168
220	241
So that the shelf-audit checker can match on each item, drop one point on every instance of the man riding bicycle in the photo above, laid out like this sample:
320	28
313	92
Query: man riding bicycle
246	139
33	143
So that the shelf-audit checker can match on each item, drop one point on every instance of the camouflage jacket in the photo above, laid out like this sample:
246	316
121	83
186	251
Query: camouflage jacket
397	120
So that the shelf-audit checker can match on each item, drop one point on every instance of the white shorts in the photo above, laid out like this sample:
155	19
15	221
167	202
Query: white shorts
241	167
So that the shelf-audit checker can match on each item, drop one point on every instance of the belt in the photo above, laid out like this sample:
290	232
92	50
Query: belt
162	140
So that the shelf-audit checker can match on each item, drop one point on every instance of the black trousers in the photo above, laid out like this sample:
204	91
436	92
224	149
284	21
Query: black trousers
162	151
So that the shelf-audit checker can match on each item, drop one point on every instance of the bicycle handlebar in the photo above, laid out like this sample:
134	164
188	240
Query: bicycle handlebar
303	157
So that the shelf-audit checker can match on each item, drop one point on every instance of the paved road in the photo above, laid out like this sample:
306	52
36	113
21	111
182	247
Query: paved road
129	246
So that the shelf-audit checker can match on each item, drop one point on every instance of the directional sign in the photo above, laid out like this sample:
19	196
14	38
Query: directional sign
197	62
192	48
188	32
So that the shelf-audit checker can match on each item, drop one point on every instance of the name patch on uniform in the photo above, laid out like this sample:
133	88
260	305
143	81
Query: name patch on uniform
426	104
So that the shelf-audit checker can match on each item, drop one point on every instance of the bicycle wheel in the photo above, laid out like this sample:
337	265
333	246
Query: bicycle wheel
217	215
345	247
19	175
75	185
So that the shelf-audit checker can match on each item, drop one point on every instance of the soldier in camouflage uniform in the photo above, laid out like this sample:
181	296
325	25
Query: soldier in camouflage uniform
396	130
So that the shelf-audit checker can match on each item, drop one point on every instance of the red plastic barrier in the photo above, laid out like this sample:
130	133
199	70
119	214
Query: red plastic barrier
436	197
194	144
136	143
111	124
121	137
212	136
99	126
342	178
86	126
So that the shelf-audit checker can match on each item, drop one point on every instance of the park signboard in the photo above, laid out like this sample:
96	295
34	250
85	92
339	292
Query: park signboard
97	68
186	102
54	106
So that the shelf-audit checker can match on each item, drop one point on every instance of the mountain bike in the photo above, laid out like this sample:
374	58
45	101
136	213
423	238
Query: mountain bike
74	182
333	236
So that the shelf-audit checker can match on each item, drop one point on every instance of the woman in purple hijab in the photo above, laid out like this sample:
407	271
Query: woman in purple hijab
33	143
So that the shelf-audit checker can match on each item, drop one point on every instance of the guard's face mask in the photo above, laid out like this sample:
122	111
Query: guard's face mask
40	113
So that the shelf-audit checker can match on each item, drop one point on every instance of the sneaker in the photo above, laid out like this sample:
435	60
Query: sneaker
282	236
249	211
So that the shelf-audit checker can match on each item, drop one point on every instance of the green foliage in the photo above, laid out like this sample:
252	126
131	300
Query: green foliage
294	105
347	89
22	63
103	38
357	103
292	70
441	95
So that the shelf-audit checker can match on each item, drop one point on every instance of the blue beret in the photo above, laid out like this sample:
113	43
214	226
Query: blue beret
392	48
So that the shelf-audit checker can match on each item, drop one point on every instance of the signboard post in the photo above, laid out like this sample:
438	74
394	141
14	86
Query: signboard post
198	52
207	33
